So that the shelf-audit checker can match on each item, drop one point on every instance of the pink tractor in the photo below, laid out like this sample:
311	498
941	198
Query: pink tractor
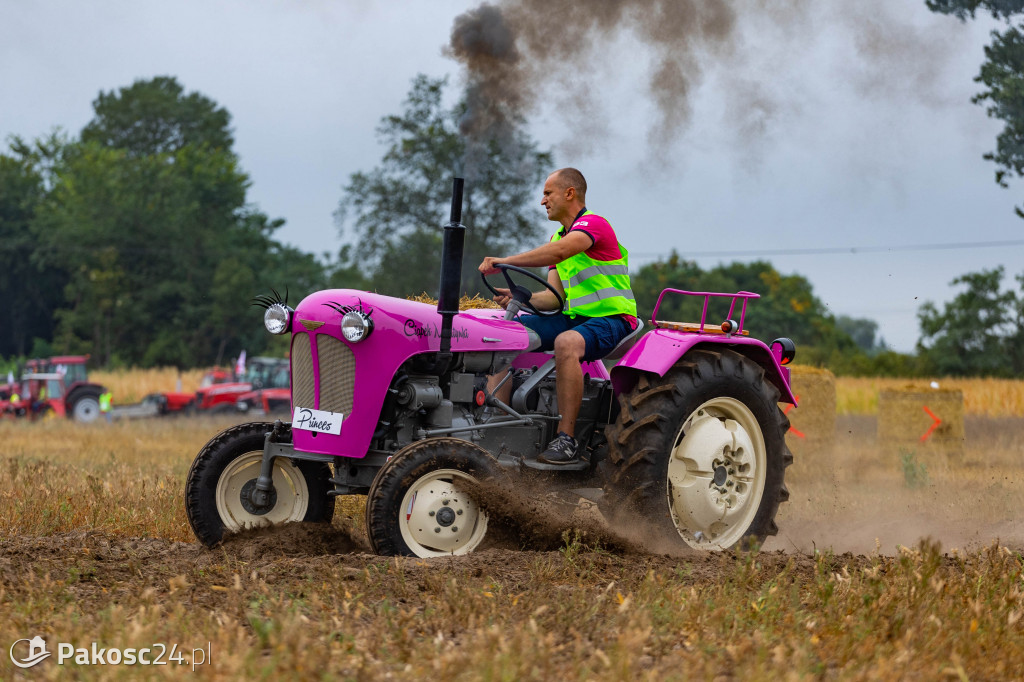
682	437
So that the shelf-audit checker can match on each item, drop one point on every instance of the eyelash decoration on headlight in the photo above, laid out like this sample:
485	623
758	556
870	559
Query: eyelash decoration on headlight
342	309
265	301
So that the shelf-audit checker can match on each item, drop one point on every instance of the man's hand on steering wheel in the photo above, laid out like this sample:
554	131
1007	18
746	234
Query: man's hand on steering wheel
503	297
516	292
489	266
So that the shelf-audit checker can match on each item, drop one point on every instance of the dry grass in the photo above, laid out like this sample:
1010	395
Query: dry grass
465	303
123	479
132	385
989	397
76	502
576	615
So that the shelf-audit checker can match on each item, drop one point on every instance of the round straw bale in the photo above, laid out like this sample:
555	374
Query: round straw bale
923	418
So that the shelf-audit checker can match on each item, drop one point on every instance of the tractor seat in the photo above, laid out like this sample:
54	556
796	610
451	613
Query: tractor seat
626	343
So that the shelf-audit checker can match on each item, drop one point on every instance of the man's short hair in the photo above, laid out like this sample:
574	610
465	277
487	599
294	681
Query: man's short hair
570	177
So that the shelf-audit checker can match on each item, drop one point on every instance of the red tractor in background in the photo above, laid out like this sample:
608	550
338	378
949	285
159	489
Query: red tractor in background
177	402
68	389
263	386
267	400
40	395
261	374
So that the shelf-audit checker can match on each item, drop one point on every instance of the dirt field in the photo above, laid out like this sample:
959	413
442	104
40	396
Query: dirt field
855	498
887	566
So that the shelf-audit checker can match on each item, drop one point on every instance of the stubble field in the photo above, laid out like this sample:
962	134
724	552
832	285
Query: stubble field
884	568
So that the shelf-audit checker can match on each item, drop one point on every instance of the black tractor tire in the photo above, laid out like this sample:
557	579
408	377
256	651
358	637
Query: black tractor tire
705	439
422	502
229	464
84	406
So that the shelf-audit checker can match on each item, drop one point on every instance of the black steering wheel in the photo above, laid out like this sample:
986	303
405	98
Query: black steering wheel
520	294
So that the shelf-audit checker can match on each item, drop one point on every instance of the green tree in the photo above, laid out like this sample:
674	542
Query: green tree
977	333
30	291
787	307
1015	339
396	210
149	224
863	332
1000	9
156	116
1002	74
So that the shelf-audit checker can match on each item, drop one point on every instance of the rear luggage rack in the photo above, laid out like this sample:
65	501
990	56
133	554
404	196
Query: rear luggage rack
728	327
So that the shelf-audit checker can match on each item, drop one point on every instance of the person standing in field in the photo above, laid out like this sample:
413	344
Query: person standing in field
106	399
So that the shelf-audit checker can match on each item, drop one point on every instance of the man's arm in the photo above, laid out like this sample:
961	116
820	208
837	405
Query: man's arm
545	300
551	253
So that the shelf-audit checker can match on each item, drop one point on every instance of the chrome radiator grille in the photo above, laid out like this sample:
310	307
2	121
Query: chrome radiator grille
302	372
337	374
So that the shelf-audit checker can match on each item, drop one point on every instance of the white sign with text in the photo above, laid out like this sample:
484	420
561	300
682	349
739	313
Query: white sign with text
308	419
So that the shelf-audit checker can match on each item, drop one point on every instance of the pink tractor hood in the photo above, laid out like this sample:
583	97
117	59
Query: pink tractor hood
401	329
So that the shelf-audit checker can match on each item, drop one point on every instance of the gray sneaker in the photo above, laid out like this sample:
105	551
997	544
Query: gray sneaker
562	450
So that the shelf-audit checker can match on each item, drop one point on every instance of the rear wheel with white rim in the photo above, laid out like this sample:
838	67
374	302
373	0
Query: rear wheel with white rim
699	455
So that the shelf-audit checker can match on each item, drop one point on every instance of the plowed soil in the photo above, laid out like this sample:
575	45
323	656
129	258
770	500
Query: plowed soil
855	504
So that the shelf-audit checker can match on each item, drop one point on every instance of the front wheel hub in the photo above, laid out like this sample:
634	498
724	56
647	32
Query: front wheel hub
255	501
445	516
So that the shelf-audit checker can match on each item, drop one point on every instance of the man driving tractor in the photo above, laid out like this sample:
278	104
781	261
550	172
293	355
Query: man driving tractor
590	268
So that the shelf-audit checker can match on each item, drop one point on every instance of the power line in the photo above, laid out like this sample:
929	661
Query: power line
847	250
821	251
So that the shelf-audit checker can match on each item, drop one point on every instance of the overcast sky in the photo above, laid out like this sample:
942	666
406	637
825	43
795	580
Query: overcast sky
820	135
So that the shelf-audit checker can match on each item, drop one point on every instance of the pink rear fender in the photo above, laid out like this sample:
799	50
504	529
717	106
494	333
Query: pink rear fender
353	378
659	350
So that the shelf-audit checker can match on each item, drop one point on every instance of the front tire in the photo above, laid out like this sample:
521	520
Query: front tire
700	453
421	503
217	491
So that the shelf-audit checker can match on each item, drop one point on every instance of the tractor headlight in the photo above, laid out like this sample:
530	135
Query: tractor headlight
356	326
278	318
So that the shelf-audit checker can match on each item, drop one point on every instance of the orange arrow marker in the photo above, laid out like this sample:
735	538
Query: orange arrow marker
932	427
786	412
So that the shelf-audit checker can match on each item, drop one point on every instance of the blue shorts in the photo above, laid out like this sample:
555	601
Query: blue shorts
601	334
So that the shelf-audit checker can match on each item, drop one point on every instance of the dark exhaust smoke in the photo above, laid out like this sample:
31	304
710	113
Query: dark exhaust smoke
519	54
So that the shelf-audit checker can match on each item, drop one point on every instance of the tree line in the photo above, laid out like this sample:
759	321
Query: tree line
135	242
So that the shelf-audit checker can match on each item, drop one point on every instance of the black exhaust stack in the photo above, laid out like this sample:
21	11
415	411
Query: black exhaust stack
451	274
